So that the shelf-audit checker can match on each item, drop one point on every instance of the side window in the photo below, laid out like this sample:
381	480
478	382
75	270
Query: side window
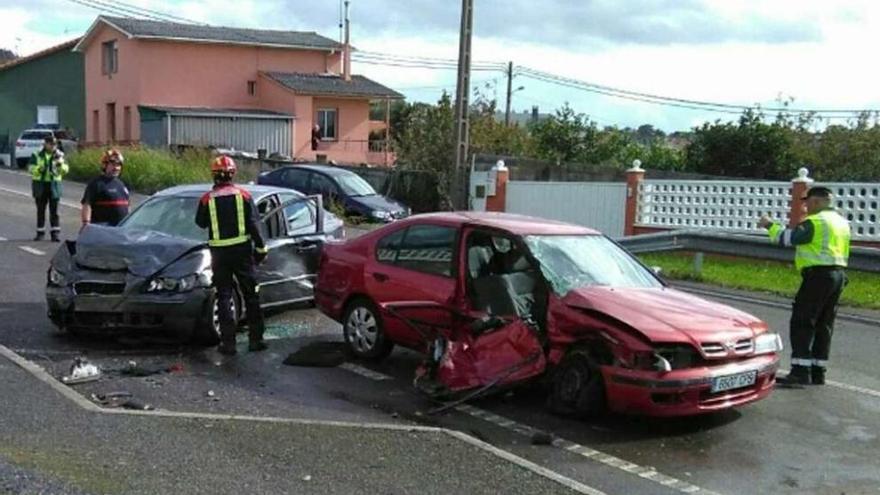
387	247
272	226
297	179
300	216
428	249
322	185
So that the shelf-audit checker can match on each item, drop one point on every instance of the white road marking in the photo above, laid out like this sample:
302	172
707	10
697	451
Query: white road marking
645	472
844	386
28	195
360	370
31	250
3	239
78	399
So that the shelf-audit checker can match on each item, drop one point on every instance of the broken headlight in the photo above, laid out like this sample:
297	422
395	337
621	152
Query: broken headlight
767	343
183	284
55	277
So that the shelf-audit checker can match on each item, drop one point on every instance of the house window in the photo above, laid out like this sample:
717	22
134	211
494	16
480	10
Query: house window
95	137
326	118
126	123
252	87
109	58
111	122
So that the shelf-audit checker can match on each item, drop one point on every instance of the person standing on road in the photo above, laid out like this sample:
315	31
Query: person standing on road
316	137
106	199
47	169
822	242
237	246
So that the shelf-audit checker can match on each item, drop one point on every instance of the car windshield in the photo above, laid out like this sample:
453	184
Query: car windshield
353	185
569	262
172	215
35	135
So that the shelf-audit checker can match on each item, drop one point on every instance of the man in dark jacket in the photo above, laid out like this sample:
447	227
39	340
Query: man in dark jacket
237	245
47	169
106	198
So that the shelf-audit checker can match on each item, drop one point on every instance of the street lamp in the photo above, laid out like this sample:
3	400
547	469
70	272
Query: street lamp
510	93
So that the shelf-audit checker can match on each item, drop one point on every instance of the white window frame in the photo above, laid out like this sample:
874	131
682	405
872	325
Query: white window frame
320	118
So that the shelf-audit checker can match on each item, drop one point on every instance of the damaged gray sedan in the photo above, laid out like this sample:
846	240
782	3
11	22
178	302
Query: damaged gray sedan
153	271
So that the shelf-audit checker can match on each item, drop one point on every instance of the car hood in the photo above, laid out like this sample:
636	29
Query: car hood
667	315
140	252
375	202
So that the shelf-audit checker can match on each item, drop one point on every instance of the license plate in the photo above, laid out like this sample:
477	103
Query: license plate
730	382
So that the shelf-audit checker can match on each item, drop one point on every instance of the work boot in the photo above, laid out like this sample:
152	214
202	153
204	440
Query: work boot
55	237
40	236
817	375
796	378
227	348
257	346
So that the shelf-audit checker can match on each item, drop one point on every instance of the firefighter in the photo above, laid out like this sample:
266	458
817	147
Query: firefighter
106	198
237	245
822	242
47	168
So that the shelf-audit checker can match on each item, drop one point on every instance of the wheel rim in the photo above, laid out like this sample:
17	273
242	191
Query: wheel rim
572	382
215	315
362	329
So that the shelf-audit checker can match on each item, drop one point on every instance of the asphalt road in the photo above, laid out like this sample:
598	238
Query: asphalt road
817	440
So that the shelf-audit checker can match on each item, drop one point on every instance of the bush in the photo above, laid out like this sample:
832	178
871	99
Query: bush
148	170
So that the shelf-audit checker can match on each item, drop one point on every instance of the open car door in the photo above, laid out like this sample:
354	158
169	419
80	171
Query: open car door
295	233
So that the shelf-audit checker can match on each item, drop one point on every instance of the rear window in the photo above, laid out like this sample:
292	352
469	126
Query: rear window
35	135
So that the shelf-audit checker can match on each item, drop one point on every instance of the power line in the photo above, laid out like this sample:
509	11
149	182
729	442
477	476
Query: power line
128	10
156	12
104	8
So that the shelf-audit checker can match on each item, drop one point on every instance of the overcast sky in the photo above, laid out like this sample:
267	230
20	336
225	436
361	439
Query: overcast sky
821	53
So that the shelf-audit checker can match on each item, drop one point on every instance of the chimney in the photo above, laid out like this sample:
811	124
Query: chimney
346	60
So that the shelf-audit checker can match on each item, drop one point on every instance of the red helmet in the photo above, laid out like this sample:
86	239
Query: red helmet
111	156
223	164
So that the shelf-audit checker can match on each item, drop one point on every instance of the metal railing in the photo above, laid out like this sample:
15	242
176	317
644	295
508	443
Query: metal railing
861	258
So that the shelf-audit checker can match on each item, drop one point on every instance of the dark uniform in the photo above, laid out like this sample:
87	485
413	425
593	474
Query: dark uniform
823	242
229	214
109	199
47	170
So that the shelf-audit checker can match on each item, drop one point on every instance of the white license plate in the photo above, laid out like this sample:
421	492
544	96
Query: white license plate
730	382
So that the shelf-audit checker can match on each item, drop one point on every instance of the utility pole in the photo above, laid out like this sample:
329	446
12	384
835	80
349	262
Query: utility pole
459	192
509	93
346	61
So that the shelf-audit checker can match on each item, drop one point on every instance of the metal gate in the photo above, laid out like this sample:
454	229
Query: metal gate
597	205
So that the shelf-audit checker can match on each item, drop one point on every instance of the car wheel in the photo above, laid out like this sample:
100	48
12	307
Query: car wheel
208	330
577	387
364	332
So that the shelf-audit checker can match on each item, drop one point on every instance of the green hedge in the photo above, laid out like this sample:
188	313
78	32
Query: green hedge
148	170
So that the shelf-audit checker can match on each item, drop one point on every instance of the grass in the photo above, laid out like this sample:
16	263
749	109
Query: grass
148	170
760	275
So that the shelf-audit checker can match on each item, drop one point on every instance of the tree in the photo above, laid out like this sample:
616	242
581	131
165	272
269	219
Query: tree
564	137
425	139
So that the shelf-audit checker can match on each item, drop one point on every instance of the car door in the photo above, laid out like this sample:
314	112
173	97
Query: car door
413	264
325	186
294	226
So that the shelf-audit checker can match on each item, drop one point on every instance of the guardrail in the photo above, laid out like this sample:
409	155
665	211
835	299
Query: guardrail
861	258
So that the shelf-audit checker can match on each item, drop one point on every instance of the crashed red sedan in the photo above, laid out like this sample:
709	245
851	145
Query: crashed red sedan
497	300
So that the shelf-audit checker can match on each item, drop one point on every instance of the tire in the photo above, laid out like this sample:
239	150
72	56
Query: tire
577	387
207	332
364	331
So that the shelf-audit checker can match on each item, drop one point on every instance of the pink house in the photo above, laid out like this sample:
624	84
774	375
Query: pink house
171	84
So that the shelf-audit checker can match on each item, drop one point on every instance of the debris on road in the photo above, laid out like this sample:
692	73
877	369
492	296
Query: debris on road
210	393
82	371
318	354
542	438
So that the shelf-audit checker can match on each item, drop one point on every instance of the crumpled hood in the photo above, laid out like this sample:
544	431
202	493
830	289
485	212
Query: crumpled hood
140	252
667	315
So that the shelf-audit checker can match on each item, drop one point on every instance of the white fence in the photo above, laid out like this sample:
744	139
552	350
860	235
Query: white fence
597	205
736	206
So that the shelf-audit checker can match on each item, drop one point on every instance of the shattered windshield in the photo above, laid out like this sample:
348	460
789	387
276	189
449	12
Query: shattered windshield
172	215
569	262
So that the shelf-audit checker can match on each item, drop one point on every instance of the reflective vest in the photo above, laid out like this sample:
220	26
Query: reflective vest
45	174
216	240
829	245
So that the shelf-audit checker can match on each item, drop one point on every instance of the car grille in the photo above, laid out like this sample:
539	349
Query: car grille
98	288
717	349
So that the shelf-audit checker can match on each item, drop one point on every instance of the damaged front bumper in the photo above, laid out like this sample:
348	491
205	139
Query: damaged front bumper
687	392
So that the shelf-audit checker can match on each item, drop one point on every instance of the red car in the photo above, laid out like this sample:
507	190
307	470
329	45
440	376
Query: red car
496	299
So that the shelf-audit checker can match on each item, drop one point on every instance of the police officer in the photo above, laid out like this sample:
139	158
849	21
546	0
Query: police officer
106	198
229	214
47	168
822	242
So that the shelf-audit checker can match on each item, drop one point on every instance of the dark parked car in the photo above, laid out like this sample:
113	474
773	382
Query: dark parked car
356	195
153	271
500	300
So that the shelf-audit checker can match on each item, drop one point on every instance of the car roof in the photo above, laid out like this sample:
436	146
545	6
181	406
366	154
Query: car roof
40	130
257	191
326	169
513	223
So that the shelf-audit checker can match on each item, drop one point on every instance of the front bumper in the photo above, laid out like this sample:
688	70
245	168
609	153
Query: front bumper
686	392
175	312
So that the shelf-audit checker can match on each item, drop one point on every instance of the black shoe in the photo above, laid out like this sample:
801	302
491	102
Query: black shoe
227	350
39	236
257	346
55	238
817	375
797	378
